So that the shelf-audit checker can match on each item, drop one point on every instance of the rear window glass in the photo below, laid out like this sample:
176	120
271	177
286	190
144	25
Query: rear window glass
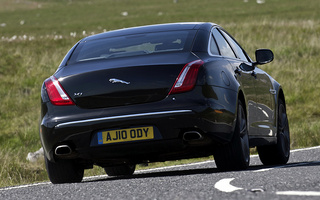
133	45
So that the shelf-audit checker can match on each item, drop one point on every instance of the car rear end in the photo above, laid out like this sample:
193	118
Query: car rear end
127	98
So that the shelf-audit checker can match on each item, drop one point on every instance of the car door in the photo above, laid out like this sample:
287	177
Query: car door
263	121
265	104
244	73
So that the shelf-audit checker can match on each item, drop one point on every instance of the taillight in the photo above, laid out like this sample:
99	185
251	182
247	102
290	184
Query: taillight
187	77
56	93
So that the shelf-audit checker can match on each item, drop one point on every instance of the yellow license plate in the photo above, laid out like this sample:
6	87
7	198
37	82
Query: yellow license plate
125	135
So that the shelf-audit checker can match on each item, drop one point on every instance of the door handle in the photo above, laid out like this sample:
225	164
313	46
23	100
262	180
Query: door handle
237	71
254	74
272	91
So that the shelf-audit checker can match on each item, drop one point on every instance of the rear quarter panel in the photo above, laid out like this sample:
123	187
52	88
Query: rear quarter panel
220	88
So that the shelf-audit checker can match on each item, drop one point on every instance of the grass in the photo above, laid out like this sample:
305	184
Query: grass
36	34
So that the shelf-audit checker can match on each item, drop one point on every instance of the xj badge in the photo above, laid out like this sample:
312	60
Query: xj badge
77	94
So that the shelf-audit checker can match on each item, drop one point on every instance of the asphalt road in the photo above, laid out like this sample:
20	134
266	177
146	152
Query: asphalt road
299	179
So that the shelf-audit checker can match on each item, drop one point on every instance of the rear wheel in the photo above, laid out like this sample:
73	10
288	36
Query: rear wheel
279	153
64	171
236	154
120	170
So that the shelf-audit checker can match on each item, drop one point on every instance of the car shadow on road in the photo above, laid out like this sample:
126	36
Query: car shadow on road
155	174
197	171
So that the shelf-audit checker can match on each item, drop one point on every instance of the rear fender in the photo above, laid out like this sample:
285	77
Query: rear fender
218	73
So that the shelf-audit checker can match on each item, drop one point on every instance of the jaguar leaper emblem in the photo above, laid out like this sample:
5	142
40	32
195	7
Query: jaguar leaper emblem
114	80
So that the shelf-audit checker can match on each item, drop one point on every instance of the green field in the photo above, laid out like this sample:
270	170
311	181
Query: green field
36	34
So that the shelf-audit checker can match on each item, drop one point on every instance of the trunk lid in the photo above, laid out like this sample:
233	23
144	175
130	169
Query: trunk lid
122	81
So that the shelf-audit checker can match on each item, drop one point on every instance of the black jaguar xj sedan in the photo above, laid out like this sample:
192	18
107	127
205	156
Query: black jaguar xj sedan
157	93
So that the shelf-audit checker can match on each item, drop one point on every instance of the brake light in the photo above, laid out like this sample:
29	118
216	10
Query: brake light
187	77
56	93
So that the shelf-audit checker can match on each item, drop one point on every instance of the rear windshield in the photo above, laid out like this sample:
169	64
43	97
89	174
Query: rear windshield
133	45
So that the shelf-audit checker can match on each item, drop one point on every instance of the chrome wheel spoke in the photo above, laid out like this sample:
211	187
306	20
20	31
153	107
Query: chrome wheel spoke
243	124
284	130
244	139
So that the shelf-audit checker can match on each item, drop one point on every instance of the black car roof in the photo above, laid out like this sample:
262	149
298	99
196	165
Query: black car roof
152	28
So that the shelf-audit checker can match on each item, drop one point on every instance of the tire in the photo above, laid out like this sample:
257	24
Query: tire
236	154
278	154
64	171
120	170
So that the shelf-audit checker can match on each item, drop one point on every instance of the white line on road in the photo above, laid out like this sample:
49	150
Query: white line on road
305	149
174	166
224	185
141	171
287	165
299	193
24	186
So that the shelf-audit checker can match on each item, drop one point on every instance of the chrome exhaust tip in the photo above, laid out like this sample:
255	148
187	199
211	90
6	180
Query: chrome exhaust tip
192	136
63	150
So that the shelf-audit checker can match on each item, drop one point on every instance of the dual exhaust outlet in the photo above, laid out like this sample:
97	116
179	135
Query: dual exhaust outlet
192	136
65	150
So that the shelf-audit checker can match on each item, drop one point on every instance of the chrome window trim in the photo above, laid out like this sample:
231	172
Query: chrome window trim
209	43
122	117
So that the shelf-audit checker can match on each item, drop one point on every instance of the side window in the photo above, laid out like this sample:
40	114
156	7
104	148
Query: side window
223	45
235	47
213	46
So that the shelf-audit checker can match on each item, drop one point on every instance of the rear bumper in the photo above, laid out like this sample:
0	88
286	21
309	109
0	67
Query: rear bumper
171	117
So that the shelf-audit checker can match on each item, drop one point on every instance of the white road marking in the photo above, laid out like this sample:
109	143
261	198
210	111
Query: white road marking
24	186
141	171
224	185
299	193
287	165
174	166
90	178
305	149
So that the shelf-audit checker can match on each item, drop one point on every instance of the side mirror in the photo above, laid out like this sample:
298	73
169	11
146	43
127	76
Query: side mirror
263	56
